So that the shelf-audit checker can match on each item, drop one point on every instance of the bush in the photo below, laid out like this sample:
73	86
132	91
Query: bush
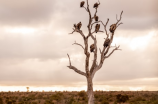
155	102
82	94
96	96
104	101
122	98
1	100
58	96
21	103
70	101
34	102
48	102
40	96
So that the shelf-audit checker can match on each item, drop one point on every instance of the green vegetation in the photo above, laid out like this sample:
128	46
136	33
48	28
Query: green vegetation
1	100
101	97
122	98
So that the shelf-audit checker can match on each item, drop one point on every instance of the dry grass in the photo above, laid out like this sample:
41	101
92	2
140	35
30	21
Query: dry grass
101	97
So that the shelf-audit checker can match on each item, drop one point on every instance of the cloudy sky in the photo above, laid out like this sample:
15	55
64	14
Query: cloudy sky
34	43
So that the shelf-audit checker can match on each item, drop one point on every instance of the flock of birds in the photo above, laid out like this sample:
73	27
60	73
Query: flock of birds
97	27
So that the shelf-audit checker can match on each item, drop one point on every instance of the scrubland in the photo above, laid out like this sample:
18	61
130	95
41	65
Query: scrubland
74	97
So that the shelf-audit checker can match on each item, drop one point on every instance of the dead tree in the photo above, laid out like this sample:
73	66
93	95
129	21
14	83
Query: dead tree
104	53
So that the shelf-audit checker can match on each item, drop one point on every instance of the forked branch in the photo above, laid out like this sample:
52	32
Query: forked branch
74	68
85	8
119	24
89	16
116	48
105	27
78	44
73	31
118	20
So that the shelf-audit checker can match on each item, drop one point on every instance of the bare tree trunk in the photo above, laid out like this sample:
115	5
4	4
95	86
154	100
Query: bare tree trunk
104	53
90	90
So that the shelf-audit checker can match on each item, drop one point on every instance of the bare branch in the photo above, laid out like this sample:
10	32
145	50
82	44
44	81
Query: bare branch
94	23
79	31
74	68
116	17
85	8
69	59
95	55
97	32
103	53
82	34
96	12
72	31
100	31
78	44
120	18
100	50
104	57
99	2
116	48
105	27
89	16
119	24
96	9
112	46
111	39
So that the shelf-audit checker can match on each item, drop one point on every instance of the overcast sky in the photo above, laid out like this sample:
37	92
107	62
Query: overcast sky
34	43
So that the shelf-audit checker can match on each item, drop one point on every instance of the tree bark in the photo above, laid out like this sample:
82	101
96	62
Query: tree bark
89	73
90	90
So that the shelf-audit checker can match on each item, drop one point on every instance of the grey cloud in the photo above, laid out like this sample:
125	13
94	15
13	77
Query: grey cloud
25	12
135	16
45	46
128	64
138	15
122	65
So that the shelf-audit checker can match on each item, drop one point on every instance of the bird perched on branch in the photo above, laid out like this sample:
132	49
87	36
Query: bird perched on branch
107	42
95	5
112	28
97	27
75	26
78	26
96	18
92	47
82	4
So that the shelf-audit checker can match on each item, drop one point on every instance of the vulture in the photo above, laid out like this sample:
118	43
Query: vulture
82	4
97	27
79	25
75	26
112	28
95	5
92	47
96	18
106	43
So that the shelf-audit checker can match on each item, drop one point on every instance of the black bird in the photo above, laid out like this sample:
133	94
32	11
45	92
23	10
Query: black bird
75	26
82	4
95	5
106	43
96	18
97	27
112	28
92	47
79	25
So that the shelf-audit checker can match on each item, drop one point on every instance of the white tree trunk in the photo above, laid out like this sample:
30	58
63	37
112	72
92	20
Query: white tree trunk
90	72
90	90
